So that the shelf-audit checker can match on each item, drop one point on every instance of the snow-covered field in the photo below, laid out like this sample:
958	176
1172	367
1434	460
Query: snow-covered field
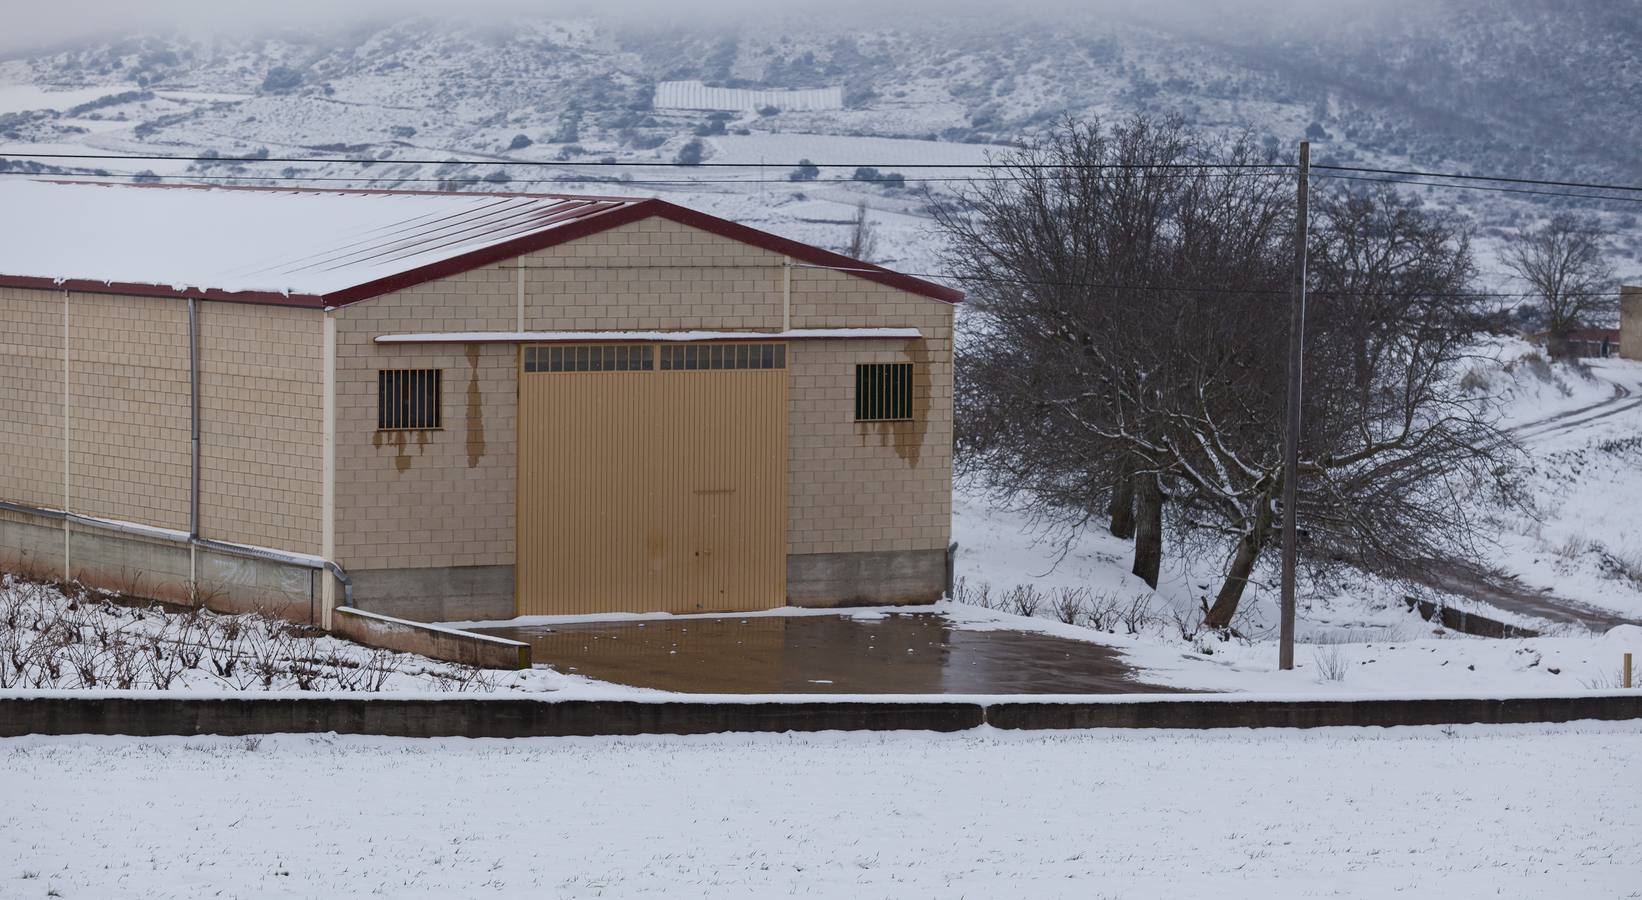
1541	811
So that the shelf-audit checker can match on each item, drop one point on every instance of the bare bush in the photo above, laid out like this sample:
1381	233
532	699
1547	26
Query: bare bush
1331	661
1023	600
1068	604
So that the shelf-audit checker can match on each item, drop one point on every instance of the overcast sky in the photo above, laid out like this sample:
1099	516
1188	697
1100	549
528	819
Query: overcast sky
59	21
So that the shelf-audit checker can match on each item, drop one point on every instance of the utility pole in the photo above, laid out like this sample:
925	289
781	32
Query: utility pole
1291	438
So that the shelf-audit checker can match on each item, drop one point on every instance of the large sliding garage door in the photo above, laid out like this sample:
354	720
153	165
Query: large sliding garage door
652	477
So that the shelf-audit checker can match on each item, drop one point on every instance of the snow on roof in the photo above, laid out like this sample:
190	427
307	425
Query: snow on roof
315	247
290	242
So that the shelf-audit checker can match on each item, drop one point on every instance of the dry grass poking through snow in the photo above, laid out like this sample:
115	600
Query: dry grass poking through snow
86	640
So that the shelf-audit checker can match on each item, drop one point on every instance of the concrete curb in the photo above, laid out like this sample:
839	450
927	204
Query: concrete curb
435	641
519	717
1199	714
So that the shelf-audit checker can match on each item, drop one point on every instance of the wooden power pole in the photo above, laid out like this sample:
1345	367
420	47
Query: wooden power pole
1291	437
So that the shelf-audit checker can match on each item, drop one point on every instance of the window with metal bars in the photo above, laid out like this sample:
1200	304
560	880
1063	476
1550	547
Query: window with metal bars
407	399
723	356
883	392
590	358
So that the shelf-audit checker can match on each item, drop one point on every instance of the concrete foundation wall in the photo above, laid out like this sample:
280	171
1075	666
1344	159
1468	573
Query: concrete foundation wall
442	594
30	546
854	579
155	568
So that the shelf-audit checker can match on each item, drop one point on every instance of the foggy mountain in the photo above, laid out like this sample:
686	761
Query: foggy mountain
1534	88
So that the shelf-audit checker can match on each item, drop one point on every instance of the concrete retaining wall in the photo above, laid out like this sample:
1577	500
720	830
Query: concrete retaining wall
449	644
155	568
162	714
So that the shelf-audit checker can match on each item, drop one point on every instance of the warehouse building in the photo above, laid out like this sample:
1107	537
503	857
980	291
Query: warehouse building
462	406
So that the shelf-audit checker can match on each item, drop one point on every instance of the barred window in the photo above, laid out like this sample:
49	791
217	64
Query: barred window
590	358
724	356
883	392
407	399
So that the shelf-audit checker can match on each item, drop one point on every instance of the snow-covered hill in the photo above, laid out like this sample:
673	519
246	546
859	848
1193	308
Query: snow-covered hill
1526	86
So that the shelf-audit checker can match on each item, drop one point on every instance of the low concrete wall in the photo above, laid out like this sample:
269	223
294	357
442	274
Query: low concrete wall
459	717
1466	623
30	545
1313	713
453	594
449	644
163	714
891	578
154	568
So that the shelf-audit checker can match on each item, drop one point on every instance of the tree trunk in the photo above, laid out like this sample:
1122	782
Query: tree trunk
1231	592
1148	527
1122	508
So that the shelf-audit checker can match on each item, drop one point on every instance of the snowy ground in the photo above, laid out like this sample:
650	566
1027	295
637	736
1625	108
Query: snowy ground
82	640
1541	811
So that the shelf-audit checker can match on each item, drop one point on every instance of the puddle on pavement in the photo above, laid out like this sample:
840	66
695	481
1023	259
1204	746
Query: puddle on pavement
898	653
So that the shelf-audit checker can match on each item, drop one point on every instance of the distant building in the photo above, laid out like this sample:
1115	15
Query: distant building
695	95
1587	342
1630	322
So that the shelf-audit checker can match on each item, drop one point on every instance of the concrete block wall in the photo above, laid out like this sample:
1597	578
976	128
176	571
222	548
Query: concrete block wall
128	413
31	397
445	498
261	402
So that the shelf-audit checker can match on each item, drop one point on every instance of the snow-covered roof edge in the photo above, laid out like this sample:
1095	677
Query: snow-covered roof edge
626	212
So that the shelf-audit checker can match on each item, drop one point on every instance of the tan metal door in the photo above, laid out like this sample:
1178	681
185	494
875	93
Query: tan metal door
651	489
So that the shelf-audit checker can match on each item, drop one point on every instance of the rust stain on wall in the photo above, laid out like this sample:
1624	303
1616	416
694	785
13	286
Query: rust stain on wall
475	410
401	459
907	438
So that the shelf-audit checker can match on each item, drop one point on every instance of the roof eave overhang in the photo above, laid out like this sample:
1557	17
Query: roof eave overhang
138	289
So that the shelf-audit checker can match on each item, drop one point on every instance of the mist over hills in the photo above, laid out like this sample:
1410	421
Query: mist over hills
1533	88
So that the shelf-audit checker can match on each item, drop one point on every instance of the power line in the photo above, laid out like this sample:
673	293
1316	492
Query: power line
611	163
615	182
1095	285
1501	178
1483	187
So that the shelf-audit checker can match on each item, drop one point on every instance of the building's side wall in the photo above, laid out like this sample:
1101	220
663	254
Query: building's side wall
1630	322
128	409
868	504
128	412
261	401
31	397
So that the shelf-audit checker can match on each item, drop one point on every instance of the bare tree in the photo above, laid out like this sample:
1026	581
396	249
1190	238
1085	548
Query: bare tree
1564	266
1126	341
863	243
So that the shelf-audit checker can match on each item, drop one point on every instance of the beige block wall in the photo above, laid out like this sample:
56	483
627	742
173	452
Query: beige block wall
129	409
1630	322
446	497
868	486
261	403
31	397
128	402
